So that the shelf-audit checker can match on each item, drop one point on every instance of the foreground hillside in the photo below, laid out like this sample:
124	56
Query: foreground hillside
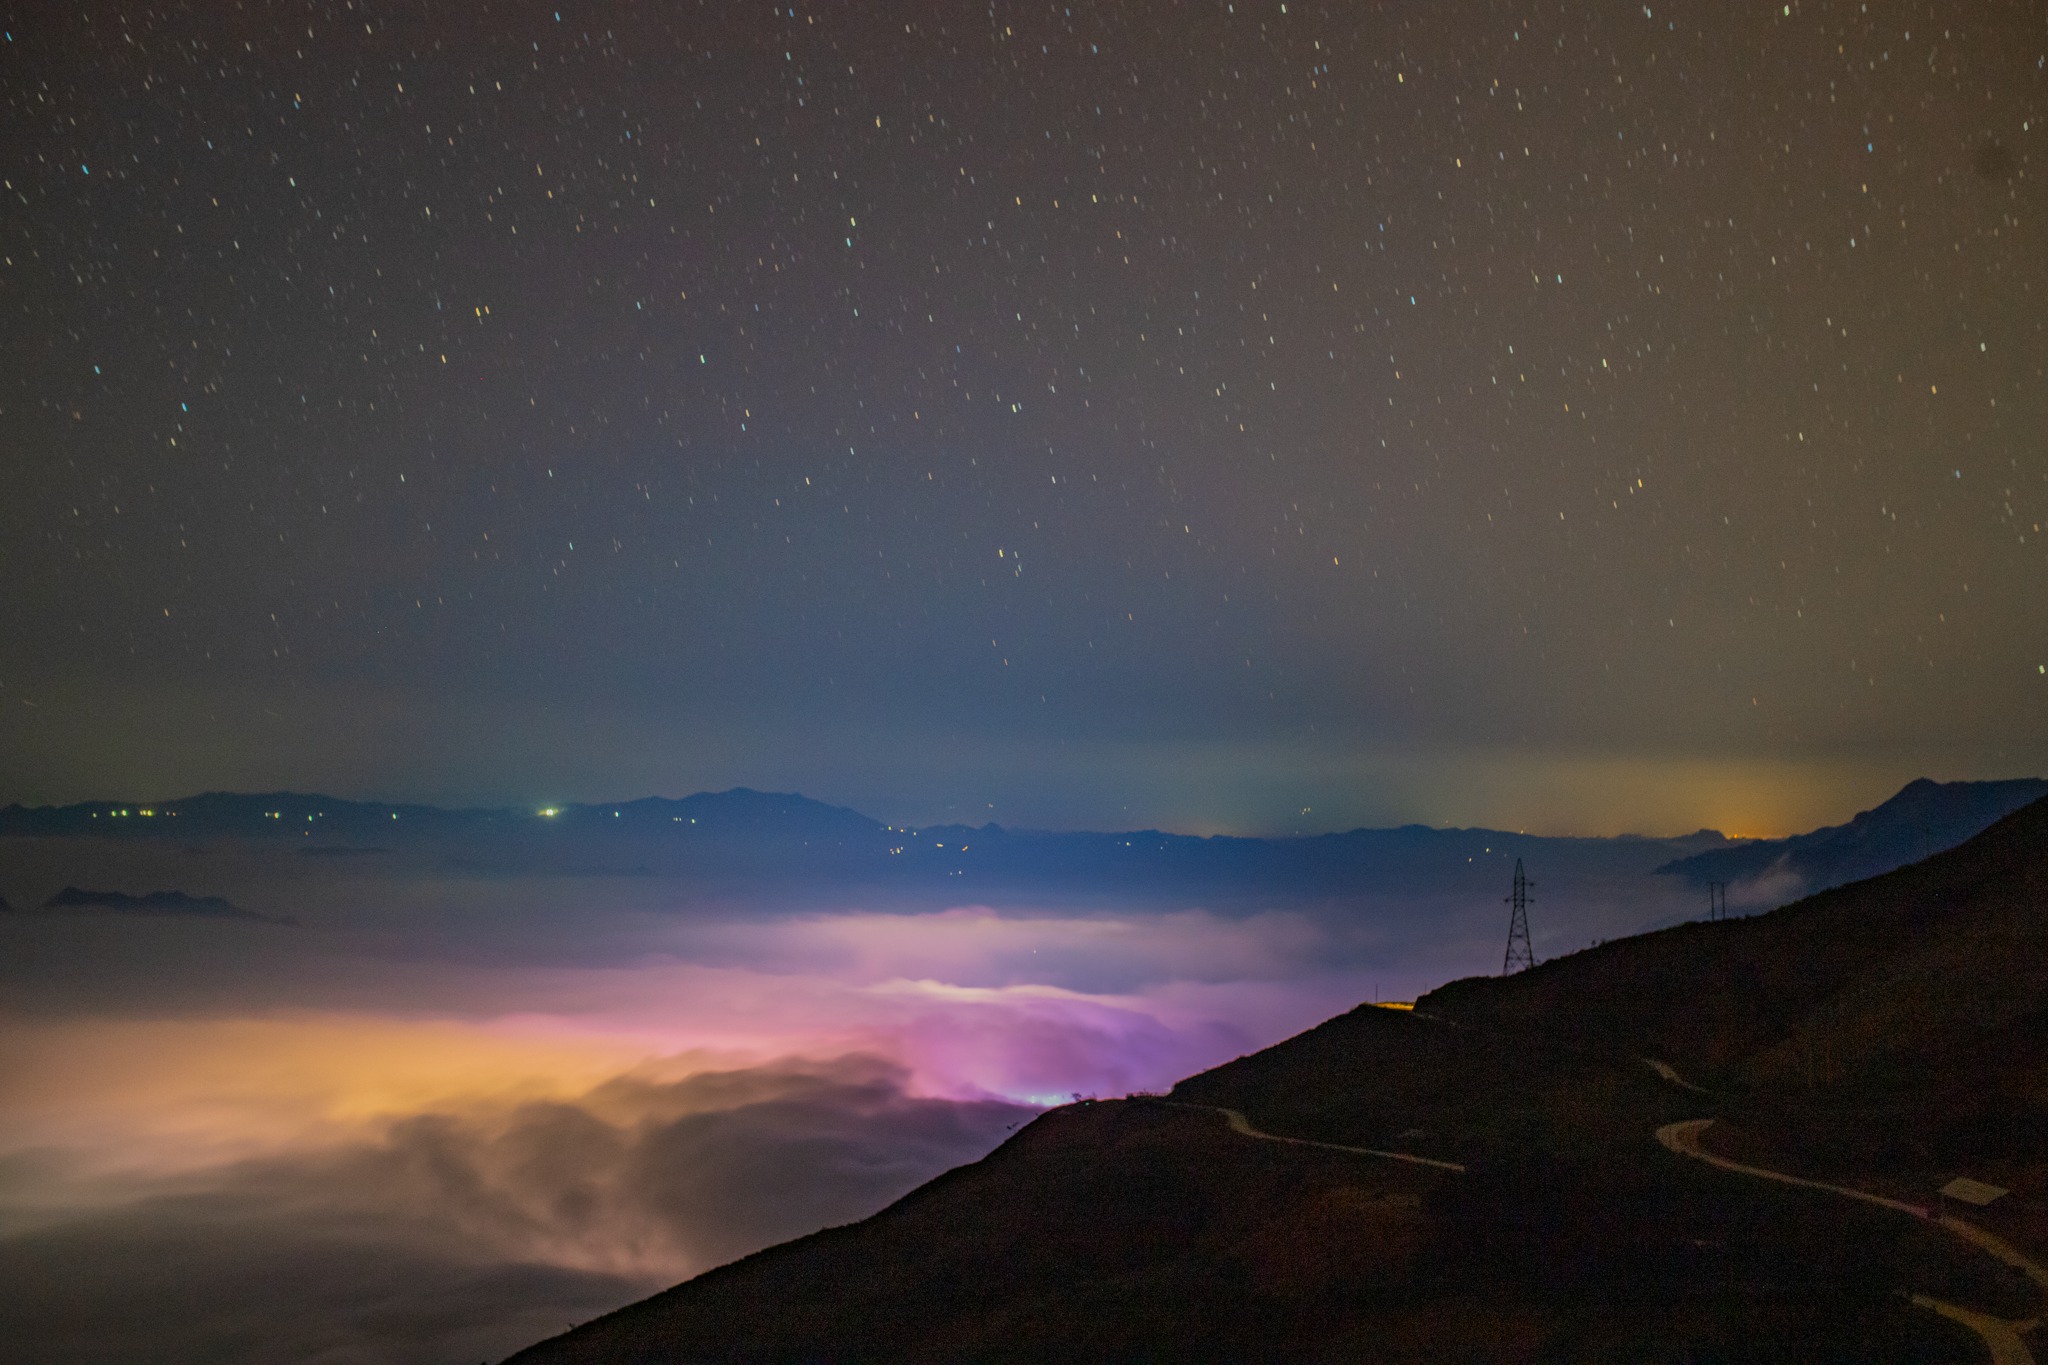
1885	1037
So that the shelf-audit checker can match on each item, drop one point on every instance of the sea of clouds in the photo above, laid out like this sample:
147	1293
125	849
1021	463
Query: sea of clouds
442	1115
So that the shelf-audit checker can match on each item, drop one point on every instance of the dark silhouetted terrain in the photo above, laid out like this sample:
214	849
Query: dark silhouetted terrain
78	900
1924	817
750	837
1888	1035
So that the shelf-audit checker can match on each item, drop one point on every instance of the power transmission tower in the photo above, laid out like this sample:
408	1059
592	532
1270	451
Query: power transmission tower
1519	954
1717	900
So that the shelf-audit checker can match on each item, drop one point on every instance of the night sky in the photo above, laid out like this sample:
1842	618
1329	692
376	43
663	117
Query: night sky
1247	416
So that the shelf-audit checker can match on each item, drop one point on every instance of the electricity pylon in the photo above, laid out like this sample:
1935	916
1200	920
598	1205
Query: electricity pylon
1519	954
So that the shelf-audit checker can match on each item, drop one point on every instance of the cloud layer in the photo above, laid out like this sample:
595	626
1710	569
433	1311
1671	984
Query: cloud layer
452	1111
463	1233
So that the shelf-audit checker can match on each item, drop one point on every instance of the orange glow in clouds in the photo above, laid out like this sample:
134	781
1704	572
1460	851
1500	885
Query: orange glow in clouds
957	999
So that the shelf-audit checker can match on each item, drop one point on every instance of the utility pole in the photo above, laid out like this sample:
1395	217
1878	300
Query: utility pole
1519	954
1717	900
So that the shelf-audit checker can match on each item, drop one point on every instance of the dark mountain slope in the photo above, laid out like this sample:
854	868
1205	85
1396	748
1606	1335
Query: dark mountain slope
1142	1229
1894	974
1890	1034
1049	1249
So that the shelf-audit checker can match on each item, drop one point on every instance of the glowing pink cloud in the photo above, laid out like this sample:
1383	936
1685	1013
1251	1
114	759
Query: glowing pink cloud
969	1002
972	1001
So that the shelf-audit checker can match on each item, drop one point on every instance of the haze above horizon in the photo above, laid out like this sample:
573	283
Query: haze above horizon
145	808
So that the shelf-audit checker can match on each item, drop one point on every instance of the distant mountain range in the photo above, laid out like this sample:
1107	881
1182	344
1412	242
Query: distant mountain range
1924	818
745	836
156	904
777	838
1518	1169
292	815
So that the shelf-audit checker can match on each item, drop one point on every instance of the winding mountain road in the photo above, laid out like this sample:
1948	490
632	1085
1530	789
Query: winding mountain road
2001	1336
1666	1070
1684	1139
1240	1124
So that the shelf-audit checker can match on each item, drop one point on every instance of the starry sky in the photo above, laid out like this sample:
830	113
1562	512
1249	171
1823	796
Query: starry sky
1245	416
